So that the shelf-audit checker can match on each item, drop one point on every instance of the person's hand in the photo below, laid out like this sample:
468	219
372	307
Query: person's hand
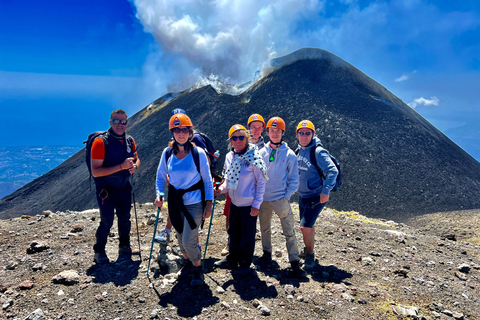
254	212
127	164
158	202
324	198
207	212
133	169
216	192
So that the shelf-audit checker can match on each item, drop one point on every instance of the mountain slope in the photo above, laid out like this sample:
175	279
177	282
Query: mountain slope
395	163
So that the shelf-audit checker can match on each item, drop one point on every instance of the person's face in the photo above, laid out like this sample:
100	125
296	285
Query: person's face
304	136
181	134
238	144
119	128
275	134
256	129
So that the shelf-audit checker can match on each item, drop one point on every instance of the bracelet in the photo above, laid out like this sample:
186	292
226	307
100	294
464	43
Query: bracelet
121	169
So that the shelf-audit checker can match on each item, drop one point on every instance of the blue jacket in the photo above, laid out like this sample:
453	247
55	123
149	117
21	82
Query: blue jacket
311	184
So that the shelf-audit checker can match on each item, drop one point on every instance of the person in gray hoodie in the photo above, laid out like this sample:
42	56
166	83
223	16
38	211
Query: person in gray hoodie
282	170
314	191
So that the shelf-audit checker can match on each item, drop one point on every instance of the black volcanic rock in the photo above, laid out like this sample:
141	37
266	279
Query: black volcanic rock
395	163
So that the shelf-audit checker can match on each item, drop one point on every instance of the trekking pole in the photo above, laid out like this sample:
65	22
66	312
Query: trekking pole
154	232
136	220
217	184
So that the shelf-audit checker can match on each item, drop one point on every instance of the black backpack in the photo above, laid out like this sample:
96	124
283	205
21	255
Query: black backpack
313	160
88	146
212	153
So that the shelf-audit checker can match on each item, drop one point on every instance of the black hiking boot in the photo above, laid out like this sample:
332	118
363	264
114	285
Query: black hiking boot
266	259
101	258
309	262
297	271
124	252
186	270
197	276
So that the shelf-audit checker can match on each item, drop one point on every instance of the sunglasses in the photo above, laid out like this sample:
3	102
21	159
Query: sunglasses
182	130
272	155
235	138
118	121
307	133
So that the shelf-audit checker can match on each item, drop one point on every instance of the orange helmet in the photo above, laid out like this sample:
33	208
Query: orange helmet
306	124
235	128
255	117
276	122
178	120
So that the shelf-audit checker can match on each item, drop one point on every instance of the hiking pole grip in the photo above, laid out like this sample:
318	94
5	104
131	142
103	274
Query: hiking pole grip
154	233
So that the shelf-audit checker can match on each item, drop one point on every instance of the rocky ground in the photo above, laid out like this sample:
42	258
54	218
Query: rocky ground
367	269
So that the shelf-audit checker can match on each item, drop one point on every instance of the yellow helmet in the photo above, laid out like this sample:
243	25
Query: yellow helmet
276	122
305	124
255	117
235	128
178	120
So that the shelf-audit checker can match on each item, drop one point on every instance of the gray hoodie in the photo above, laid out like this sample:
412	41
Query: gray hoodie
282	172
311	184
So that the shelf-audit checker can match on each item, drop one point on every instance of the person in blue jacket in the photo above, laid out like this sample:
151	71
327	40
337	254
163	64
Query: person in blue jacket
314	191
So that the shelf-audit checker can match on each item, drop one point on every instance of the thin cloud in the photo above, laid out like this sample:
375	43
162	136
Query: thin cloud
402	78
433	101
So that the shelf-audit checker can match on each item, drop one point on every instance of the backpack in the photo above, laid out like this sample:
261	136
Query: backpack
313	160
88	146
202	140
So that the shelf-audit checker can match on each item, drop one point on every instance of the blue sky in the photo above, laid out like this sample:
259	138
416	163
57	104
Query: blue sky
64	65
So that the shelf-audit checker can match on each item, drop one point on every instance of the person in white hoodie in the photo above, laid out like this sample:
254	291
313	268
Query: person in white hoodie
282	170
245	175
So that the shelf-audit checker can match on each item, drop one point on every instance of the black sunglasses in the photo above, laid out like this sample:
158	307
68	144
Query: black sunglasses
118	121
235	138
272	155
182	130
307	133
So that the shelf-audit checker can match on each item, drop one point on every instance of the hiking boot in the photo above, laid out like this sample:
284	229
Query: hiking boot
101	258
309	262
197	277
163	236
242	272
124	252
225	251
297	272
186	270
266	259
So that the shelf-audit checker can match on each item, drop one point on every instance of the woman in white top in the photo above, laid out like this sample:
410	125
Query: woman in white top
186	170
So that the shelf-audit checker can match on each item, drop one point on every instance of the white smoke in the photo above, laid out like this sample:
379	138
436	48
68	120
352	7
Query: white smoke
433	101
226	40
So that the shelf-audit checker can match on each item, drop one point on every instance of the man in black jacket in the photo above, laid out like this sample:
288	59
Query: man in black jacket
113	159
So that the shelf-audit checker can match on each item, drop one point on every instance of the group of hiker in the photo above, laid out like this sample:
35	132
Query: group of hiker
258	179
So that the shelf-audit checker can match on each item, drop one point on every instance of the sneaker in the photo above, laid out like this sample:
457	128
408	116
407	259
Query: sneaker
197	277
163	236
225	263
309	262
242	272
266	259
297	271
101	258
225	251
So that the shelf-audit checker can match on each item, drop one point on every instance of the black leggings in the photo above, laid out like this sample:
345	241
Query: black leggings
241	231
